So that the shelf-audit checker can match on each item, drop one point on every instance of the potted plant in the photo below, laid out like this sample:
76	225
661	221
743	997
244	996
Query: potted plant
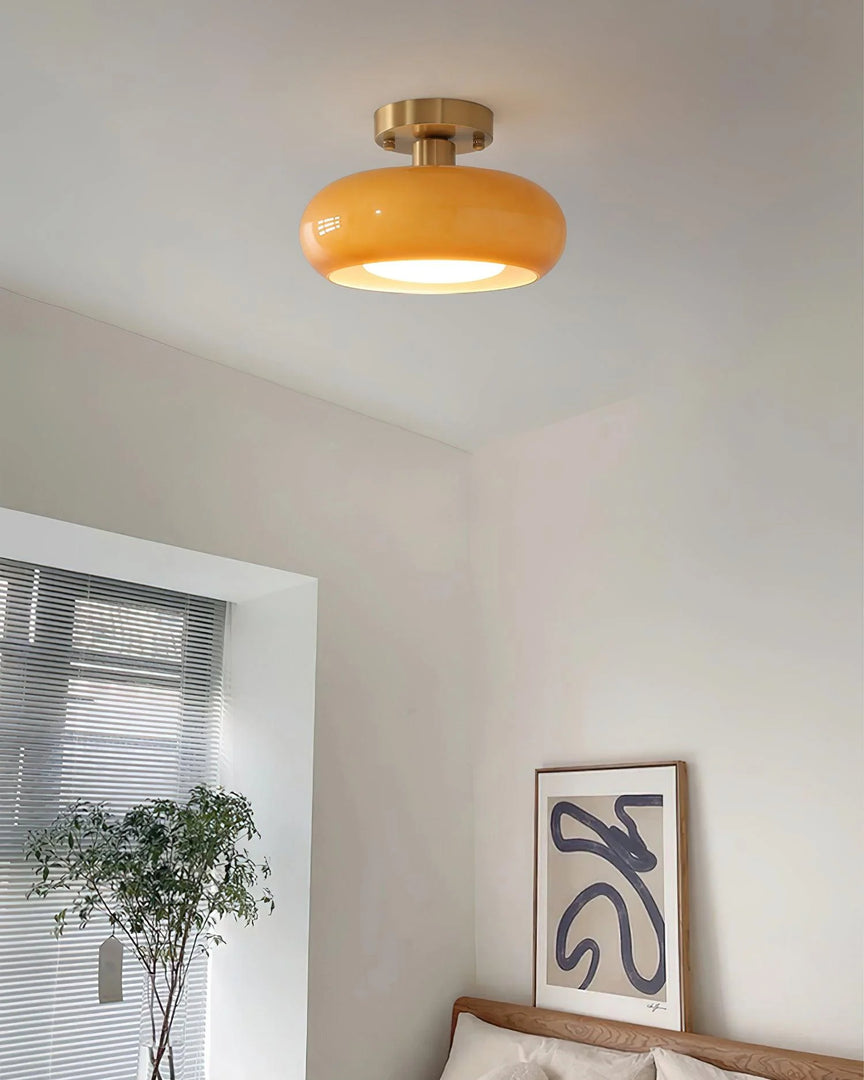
164	874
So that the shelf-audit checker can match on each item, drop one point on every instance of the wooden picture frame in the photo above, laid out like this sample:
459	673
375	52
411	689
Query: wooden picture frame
611	919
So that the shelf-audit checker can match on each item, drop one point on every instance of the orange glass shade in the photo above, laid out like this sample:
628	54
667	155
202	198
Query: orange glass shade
438	219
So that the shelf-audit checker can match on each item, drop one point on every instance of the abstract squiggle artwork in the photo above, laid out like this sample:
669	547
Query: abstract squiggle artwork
606	895
608	867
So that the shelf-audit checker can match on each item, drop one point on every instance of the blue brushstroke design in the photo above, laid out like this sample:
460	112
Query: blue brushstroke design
629	854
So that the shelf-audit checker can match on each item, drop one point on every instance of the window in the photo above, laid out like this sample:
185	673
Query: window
110	692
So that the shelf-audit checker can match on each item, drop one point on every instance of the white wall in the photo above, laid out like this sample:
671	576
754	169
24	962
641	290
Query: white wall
101	427
679	576
258	1014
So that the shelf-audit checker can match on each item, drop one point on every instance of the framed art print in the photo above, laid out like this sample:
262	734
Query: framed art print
610	897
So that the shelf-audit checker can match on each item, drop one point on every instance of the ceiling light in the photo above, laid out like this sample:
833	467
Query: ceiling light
431	227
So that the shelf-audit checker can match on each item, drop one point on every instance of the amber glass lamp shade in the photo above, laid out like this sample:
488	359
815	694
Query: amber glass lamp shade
432	229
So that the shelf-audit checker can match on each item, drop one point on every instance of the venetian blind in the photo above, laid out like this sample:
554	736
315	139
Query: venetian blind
110	692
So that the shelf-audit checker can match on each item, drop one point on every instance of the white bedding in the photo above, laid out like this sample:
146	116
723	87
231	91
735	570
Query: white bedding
672	1066
524	1071
479	1048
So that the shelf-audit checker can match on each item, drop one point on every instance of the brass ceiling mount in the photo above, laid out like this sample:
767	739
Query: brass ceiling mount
433	130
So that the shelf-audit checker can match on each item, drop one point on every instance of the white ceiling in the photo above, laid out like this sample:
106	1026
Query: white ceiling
157	155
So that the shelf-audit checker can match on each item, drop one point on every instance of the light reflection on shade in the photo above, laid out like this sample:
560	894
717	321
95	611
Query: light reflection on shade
329	224
435	271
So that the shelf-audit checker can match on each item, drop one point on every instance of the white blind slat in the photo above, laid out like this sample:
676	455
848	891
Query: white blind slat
109	691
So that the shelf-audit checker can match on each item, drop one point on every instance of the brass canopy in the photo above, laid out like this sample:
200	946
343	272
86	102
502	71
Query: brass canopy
433	130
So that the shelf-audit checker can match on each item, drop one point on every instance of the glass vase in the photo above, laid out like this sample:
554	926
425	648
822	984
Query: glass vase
148	1069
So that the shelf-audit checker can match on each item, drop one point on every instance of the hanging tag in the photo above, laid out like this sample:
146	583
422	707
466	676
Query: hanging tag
110	970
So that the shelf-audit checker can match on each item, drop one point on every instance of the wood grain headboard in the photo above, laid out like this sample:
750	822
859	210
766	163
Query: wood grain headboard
740	1057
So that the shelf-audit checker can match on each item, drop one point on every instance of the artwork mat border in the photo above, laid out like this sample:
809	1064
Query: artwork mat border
615	1006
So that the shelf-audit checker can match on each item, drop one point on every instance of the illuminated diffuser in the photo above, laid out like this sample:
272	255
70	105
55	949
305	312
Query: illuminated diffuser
433	227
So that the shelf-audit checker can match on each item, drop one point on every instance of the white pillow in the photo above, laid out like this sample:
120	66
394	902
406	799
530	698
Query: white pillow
526	1071
479	1047
672	1066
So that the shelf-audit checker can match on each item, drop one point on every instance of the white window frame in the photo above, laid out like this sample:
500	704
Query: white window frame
258	985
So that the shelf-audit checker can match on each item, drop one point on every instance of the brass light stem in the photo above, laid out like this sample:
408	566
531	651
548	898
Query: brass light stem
433	152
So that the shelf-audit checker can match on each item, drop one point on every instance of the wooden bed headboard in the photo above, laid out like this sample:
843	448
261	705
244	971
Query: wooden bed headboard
739	1057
